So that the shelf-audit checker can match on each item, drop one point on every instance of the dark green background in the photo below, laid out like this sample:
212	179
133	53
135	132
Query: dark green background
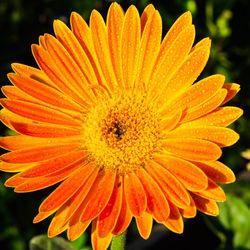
227	22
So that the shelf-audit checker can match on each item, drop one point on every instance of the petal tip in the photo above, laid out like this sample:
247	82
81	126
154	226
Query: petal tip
115	5
132	8
188	16
56	23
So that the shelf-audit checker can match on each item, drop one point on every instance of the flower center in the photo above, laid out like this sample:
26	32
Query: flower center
121	132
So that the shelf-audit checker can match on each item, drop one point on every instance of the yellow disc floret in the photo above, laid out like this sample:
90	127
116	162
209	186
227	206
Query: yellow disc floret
121	132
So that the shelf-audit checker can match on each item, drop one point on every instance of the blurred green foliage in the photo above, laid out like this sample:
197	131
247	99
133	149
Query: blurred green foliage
227	23
233	224
42	242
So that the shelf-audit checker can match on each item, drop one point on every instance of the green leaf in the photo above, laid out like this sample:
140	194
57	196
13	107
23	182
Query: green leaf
42	242
192	6
232	226
81	242
241	189
223	23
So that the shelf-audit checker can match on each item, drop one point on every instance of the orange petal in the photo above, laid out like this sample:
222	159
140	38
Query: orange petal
7	117
206	206
99	195
22	69
38	153
196	94
188	72
66	189
43	130
190	211
157	204
131	34
174	221
71	71
192	149
171	187
144	224
9	167
76	227
124	218
150	45
115	20
33	73
12	92
34	128
180	24
55	74
42	42
107	219
100	41
39	112
82	32
222	116
170	121
146	15
72	45
221	136
77	200
41	98
135	194
77	204
41	91
33	184
187	173
72	217
217	171
76	230
213	192
41	216
232	90
57	225
14	181
16	142
201	91
53	165
170	59
205	107
99	243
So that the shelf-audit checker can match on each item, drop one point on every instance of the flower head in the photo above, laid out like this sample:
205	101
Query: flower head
114	116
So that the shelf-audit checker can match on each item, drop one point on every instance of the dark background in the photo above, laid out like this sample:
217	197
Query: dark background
227	22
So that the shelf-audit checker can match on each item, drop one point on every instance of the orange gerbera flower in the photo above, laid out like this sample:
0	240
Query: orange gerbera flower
113	115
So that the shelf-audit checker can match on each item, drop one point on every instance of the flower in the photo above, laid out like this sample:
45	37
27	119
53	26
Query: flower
114	116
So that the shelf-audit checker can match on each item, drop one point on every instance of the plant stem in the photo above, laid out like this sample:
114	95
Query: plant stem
118	242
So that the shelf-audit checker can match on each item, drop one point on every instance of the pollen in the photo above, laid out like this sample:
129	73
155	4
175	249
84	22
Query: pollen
121	133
